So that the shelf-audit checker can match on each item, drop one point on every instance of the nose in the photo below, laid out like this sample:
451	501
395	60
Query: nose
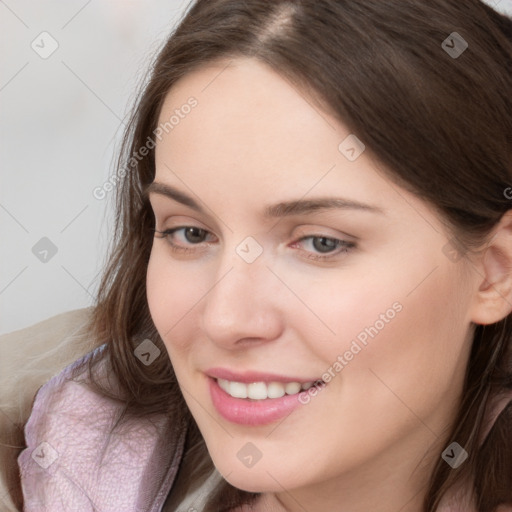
243	305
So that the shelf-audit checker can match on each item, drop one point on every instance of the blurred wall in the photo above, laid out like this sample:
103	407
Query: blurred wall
68	70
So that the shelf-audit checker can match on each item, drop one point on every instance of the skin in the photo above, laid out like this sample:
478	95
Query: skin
369	439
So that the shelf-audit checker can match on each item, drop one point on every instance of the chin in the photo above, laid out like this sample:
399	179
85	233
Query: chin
263	477
248	481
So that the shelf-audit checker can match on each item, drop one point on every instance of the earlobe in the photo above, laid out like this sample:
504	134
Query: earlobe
493	299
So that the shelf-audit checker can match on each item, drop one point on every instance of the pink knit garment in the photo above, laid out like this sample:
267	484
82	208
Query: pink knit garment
71	464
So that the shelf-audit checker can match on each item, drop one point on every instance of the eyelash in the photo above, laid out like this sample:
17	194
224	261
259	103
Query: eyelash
343	245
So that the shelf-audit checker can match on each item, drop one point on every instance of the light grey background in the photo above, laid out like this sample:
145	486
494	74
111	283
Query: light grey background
61	118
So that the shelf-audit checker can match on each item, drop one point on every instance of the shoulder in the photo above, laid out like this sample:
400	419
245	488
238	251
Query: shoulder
73	459
29	357
59	428
65	395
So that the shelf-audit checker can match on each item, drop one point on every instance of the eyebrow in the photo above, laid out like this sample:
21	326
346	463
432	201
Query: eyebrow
282	209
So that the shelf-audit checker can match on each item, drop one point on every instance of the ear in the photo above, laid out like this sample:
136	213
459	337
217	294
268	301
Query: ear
493	299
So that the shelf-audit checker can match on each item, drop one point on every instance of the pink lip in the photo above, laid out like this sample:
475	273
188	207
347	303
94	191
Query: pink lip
247	412
250	376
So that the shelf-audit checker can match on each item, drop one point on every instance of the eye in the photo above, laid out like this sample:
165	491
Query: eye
179	237
323	245
317	247
323	248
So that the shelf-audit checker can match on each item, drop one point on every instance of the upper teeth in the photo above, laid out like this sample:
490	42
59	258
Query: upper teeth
262	390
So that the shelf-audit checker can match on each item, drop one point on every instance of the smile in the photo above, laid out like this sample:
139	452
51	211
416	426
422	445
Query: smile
257	402
263	390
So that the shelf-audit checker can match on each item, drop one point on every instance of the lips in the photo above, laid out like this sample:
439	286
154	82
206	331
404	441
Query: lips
255	398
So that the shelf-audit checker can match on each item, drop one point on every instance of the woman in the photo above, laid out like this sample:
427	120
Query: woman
308	302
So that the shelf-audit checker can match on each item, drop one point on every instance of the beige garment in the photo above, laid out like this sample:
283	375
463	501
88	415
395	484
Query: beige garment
28	358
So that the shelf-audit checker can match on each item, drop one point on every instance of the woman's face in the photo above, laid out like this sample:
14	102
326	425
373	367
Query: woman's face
303	262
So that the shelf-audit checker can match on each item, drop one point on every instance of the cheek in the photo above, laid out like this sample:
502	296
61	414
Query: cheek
344	310
409	365
172	292
405	326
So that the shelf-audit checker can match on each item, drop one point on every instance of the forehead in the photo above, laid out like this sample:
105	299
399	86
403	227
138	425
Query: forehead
253	133
248	101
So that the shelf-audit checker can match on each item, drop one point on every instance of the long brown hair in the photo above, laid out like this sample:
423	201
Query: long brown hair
439	124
